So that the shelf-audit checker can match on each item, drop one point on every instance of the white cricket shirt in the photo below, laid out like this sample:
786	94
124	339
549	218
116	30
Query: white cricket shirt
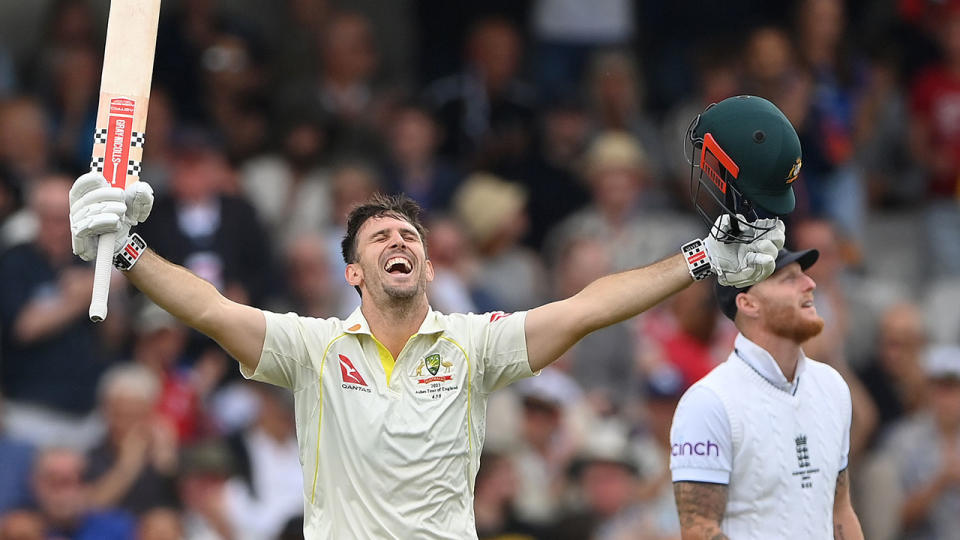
778	445
390	449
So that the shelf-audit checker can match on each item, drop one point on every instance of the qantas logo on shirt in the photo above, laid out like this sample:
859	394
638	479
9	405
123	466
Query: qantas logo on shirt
497	315
349	374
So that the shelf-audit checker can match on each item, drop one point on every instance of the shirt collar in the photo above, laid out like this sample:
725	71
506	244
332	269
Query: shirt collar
763	363
357	324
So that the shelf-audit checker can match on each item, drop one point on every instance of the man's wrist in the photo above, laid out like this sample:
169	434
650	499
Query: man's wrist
698	262
130	253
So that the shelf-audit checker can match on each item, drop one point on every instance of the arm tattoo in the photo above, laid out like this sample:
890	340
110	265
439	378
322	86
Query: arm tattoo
840	493
841	490
700	507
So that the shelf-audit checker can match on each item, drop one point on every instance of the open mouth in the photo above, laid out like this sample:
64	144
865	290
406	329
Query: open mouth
807	304
398	266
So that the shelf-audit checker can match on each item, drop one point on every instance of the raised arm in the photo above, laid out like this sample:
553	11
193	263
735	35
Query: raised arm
555	327
700	506
96	208
239	329
846	525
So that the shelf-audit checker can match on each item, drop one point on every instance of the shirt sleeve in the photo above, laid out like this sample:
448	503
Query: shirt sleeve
285	360
701	447
504	349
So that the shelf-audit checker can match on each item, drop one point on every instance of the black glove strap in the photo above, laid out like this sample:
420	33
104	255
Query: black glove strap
695	254
130	253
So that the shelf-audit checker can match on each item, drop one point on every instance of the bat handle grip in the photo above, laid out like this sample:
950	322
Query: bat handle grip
101	277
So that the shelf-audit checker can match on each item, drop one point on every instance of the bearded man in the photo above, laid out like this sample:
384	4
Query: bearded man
759	445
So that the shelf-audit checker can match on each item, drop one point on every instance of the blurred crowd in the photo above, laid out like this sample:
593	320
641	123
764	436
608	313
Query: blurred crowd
545	140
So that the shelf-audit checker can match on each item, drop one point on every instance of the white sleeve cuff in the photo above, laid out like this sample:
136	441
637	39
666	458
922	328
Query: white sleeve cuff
712	476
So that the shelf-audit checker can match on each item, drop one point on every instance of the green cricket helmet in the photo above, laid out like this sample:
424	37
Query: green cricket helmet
748	155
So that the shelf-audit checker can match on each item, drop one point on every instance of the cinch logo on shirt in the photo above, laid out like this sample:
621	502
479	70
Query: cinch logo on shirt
701	448
350	375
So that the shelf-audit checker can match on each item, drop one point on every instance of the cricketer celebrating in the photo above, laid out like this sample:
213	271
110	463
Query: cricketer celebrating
390	402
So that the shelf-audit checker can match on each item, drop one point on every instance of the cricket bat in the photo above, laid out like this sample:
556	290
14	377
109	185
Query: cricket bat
122	115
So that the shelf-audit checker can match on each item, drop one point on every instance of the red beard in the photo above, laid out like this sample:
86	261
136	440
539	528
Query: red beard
787	322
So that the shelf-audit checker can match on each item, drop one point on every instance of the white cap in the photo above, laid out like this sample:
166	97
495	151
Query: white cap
943	362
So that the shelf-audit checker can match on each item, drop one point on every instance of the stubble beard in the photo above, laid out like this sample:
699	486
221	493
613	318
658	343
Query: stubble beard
401	294
787	322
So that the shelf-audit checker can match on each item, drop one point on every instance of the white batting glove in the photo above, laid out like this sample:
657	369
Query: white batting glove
744	264
96	208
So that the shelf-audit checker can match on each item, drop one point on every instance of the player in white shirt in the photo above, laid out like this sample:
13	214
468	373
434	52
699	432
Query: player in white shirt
759	446
390	402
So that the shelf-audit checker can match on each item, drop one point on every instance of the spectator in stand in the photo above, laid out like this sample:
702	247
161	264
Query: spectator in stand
548	440
606	484
205	468
568	33
454	266
661	394
212	234
688	336
160	524
17	458
925	453
71	102
935	142
494	496
486	110
345	92
159	345
61	498
52	354
22	525
8	75
134	466
770	65
895	377
160	152
616	105
551	173
11	208
25	139
510	277
718	78
291	188
68	25
235	89
352	183
310	283
413	166
834	181
268	489
602	362
624	213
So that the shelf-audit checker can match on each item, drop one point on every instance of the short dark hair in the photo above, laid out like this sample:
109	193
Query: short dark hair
380	205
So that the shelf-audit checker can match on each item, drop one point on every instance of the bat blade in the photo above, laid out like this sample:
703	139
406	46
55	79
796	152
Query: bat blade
122	115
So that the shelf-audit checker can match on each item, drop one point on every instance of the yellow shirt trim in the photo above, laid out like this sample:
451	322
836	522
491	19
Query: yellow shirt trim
385	358
469	398
316	464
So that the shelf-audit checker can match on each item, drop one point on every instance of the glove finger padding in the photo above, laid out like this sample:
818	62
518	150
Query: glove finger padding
776	234
96	224
763	262
85	247
85	184
139	200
